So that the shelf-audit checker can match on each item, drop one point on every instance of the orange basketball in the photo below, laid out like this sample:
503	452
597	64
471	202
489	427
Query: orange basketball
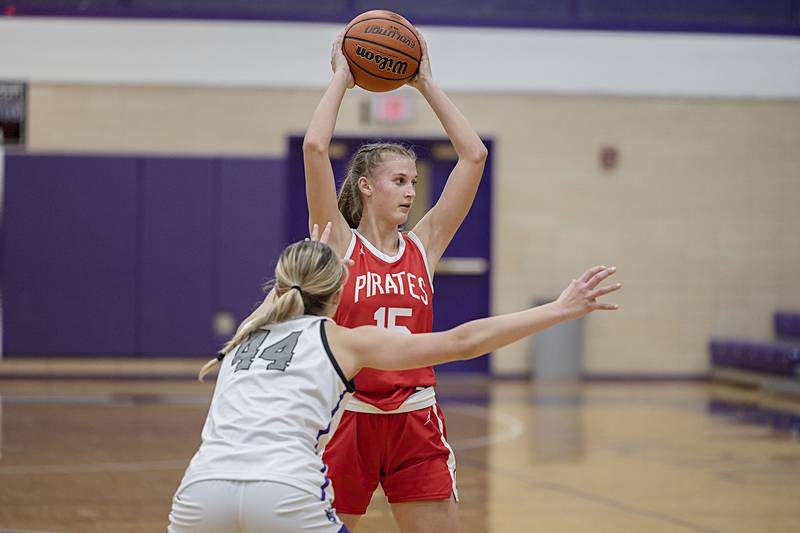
382	49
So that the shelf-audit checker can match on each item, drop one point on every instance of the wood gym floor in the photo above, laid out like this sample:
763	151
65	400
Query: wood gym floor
105	455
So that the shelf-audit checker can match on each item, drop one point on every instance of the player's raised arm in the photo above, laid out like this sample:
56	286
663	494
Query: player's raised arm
437	227
320	181
356	348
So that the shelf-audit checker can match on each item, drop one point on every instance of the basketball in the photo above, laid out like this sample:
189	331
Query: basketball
382	49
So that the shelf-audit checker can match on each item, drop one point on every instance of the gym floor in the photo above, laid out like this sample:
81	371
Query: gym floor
106	454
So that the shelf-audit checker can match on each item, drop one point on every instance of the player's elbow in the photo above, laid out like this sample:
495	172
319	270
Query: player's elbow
478	154
314	145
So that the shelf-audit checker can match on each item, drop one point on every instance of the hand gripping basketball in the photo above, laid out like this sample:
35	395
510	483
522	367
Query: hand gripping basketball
339	62
424	74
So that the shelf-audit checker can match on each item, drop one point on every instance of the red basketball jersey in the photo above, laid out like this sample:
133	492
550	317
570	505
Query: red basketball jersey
394	293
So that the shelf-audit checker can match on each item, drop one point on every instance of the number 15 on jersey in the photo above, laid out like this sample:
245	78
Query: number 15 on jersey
386	318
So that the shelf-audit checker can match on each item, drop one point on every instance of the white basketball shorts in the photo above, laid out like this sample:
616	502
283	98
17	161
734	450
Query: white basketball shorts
222	506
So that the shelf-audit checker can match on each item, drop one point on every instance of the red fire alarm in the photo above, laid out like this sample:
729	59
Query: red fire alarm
609	157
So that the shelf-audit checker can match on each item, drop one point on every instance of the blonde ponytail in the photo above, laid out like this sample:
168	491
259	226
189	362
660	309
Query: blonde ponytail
308	273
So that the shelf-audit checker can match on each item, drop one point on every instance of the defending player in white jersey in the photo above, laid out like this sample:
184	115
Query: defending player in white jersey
284	378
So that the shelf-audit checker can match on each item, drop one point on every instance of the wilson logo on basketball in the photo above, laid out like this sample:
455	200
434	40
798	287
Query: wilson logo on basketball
384	63
391	34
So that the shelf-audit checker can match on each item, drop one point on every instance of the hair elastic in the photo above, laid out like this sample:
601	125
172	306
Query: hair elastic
298	289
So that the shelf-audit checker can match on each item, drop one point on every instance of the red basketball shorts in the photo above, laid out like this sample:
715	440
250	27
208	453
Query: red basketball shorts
407	453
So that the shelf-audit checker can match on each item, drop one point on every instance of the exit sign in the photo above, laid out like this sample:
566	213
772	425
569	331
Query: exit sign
391	108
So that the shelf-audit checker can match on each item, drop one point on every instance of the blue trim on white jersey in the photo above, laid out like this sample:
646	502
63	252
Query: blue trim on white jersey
316	447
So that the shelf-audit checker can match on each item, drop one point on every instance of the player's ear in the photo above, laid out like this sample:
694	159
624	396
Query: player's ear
364	186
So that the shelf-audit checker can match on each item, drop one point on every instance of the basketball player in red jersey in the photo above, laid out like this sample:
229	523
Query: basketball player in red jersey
393	432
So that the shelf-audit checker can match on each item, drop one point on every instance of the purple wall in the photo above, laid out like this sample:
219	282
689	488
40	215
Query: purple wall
68	279
177	255
134	255
461	298
723	16
251	230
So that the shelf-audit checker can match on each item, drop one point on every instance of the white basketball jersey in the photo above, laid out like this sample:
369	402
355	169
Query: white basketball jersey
277	400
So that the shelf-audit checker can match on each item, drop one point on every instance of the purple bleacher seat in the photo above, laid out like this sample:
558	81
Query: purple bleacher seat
760	356
787	324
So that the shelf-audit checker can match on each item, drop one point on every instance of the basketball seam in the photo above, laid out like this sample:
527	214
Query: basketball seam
383	45
390	20
352	62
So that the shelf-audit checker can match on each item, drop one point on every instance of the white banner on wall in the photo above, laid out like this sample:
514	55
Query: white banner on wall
271	54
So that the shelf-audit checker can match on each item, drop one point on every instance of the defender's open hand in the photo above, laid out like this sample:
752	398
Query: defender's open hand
580	296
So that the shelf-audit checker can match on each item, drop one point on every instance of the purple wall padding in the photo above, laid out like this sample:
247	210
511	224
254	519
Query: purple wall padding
251	231
463	298
459	299
473	238
177	255
108	255
69	258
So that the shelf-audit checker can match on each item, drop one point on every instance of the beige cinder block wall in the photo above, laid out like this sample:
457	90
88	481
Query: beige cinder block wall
700	216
